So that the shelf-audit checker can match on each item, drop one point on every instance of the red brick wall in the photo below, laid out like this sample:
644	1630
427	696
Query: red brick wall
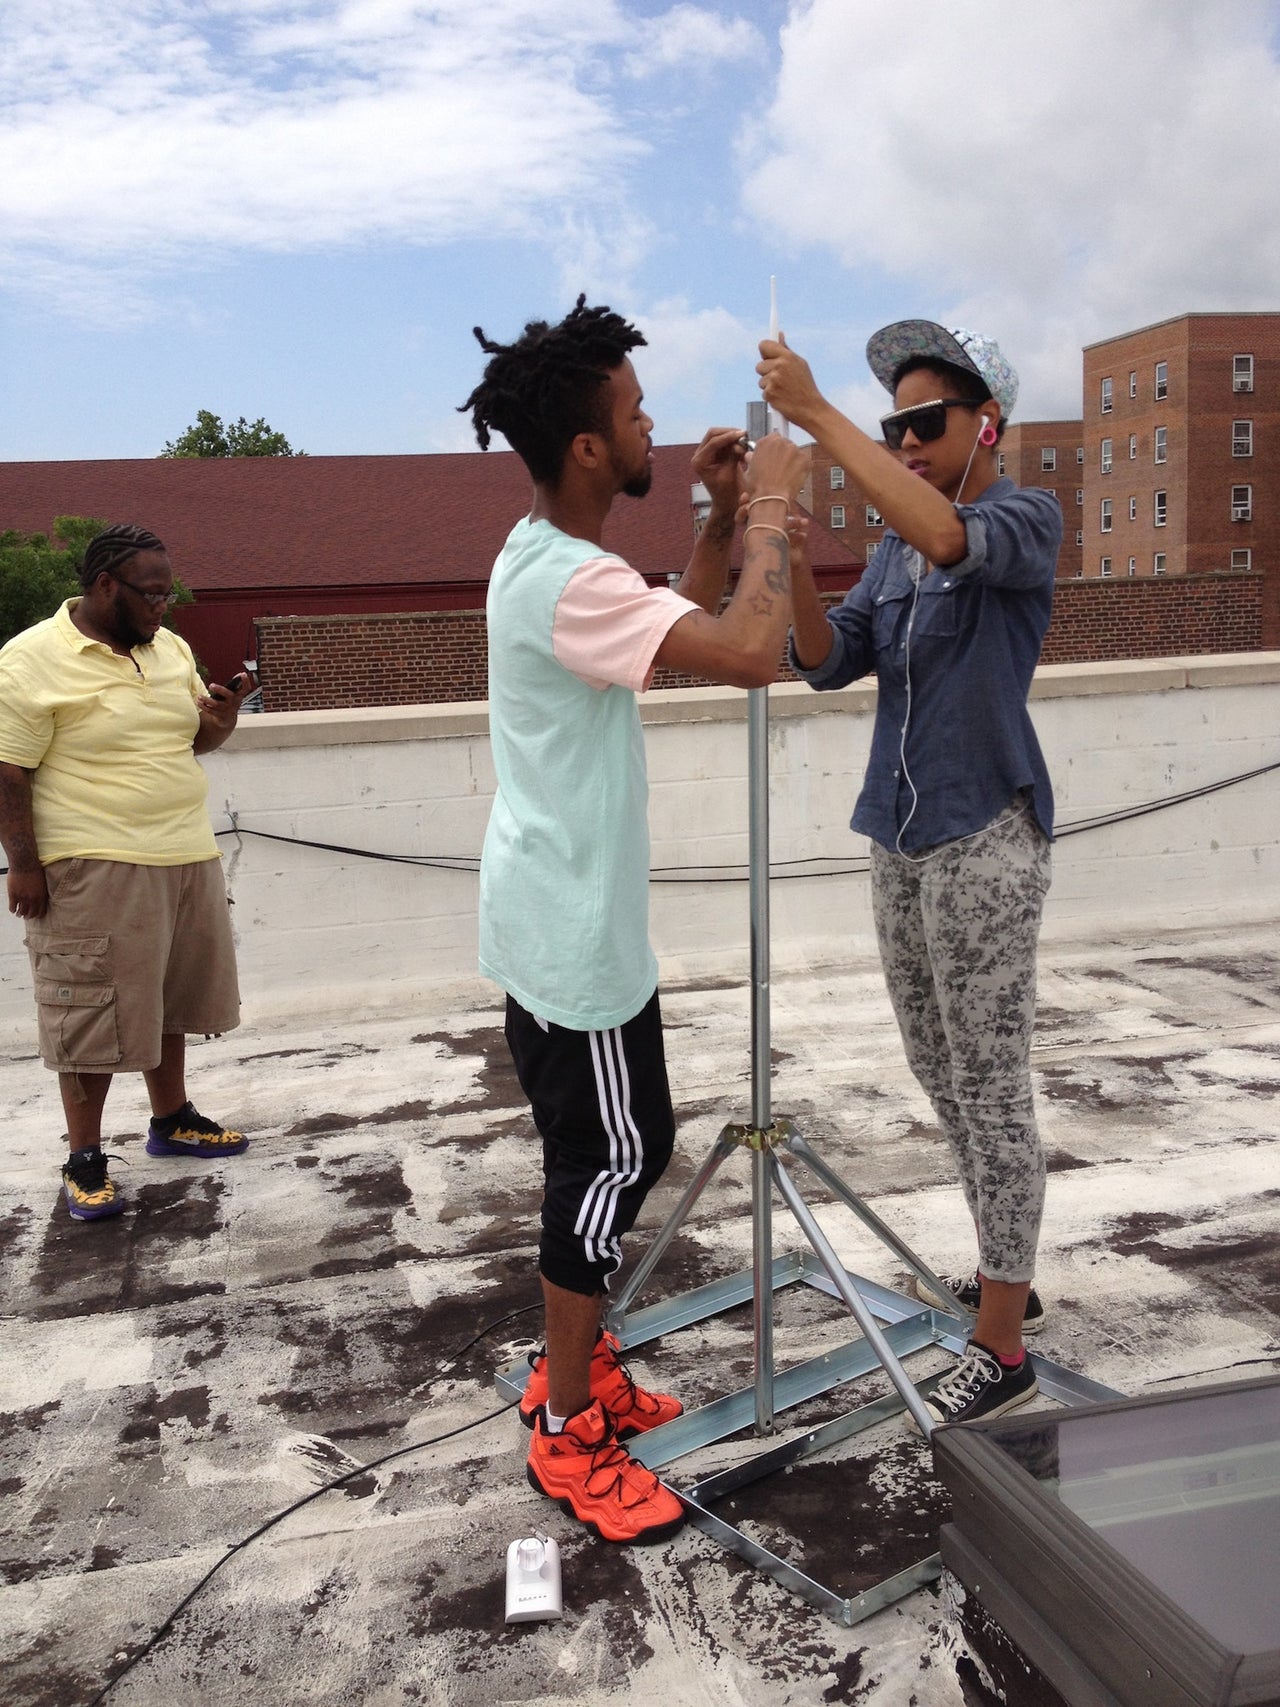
312	663
431	657
1144	617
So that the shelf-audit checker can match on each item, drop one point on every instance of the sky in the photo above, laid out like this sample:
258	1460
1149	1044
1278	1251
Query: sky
299	209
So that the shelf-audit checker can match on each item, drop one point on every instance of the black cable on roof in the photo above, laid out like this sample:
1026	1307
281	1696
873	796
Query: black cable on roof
781	870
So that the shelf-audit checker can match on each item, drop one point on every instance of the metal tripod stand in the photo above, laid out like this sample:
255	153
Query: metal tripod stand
891	1326
769	1140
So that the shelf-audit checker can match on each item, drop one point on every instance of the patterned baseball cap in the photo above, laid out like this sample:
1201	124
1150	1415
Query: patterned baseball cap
893	345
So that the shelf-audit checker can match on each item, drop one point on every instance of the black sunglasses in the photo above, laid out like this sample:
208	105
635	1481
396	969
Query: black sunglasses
168	600
928	421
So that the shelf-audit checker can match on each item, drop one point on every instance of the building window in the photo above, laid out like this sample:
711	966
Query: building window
999	462
1106	515
1162	444
837	515
1133	509
874	518
1104	458
1133	447
1133	382
1080	456
1162	381
1106	397
1079	536
1242	438
1104	568
1079	494
1133	565
1158	562
1242	559
1242	373
837	478
1048	459
1242	503
1160	506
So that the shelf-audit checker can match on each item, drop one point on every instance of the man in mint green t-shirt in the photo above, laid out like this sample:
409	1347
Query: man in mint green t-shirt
574	635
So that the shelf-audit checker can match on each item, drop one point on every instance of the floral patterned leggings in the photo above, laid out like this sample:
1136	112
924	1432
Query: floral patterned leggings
957	927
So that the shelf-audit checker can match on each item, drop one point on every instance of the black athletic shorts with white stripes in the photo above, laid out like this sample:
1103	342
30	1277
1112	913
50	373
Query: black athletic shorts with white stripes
602	1105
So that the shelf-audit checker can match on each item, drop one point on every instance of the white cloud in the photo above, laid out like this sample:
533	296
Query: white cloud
1050	174
691	38
688	349
154	128
599	252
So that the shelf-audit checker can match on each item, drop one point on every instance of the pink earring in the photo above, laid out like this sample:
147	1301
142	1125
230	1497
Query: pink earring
988	434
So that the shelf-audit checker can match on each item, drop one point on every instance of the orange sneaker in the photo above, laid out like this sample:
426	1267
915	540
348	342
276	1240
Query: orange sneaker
589	1474
631	1408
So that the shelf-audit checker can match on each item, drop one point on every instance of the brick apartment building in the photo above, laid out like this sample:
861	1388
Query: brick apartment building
1182	451
263	542
1050	454
1033	453
361	580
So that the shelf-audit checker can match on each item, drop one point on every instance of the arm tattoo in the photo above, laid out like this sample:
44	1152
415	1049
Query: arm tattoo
777	576
720	531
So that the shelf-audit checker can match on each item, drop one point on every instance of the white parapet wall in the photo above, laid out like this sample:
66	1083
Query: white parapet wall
321	930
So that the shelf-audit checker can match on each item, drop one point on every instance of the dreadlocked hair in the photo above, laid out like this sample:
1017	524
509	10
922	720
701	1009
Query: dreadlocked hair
112	548
547	387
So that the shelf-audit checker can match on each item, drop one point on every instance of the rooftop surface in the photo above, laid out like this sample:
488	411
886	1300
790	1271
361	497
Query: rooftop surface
244	1332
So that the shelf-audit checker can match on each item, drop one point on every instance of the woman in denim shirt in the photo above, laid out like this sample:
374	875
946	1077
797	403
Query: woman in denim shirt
950	615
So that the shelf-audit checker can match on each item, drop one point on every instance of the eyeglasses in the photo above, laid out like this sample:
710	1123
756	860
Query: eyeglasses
928	421
157	601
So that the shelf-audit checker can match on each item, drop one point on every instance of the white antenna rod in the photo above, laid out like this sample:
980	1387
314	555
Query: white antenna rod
783	426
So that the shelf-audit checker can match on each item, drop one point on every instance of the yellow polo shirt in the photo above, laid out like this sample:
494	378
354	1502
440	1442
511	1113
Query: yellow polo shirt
109	742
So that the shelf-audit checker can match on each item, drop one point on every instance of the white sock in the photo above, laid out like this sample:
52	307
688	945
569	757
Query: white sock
554	1424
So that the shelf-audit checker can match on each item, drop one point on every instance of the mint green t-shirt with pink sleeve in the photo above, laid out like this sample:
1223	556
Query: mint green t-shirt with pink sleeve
564	876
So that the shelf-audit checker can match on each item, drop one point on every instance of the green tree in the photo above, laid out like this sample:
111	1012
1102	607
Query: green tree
39	572
208	437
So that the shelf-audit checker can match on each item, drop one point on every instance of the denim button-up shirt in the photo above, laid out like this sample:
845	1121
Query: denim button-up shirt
954	656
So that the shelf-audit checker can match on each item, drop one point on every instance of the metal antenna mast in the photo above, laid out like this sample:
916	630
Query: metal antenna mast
909	1327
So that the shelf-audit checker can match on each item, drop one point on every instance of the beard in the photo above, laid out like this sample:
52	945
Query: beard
129	634
635	481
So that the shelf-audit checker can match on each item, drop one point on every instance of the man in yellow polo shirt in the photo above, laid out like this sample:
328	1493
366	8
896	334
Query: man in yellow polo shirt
113	866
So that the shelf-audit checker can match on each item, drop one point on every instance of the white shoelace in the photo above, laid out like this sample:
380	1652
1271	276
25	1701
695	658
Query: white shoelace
975	1370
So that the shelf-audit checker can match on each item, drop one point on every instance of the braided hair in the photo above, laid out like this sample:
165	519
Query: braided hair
547	387
112	548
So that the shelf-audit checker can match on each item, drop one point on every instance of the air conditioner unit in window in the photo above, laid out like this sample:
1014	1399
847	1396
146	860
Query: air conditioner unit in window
1242	382
1241	512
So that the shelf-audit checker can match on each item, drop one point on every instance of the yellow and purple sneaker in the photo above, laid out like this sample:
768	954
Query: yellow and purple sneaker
90	1191
190	1133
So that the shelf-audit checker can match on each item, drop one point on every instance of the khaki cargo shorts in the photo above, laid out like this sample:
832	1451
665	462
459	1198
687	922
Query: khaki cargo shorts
127	954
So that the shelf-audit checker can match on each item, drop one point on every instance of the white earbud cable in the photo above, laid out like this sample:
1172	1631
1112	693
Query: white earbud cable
922	568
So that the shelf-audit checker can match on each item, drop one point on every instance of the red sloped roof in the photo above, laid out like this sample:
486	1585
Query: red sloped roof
346	521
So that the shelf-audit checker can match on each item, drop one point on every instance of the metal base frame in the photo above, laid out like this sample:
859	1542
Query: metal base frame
893	1327
908	1327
